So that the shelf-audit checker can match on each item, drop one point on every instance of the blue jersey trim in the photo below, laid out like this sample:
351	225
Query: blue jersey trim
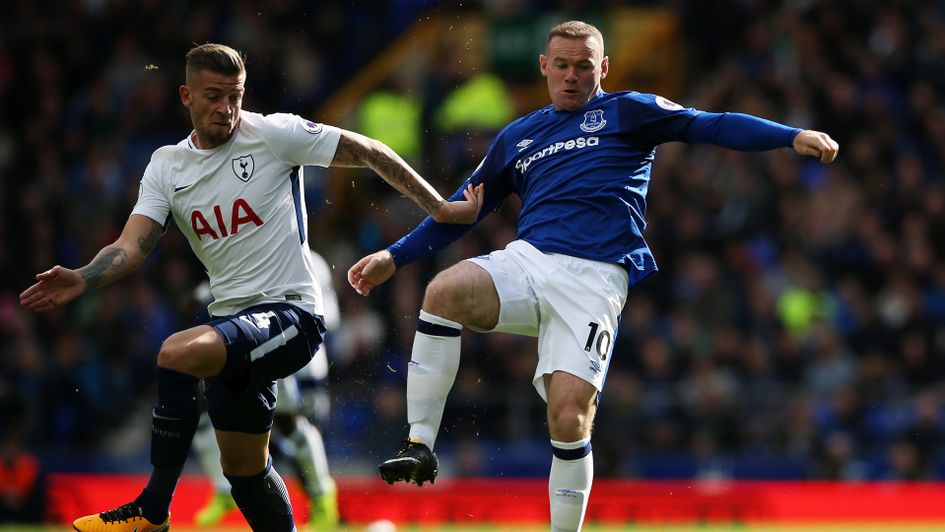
572	454
435	329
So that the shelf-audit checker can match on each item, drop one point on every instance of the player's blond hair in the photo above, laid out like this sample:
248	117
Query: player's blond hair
217	58
575	29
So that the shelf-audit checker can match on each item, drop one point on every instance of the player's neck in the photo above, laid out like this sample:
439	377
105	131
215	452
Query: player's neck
203	144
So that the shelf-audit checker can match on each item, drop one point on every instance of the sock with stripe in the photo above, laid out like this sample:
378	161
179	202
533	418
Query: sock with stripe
569	484
264	500
430	374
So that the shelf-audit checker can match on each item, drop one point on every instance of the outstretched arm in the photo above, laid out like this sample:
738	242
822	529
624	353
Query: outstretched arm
744	132
356	150
58	285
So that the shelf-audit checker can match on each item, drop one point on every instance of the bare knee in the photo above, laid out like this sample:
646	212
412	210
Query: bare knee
441	296
174	355
570	421
572	403
465	294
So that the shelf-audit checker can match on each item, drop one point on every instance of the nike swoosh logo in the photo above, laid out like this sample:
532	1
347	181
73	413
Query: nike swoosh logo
178	189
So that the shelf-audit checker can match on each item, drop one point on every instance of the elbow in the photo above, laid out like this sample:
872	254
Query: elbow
375	152
135	260
128	257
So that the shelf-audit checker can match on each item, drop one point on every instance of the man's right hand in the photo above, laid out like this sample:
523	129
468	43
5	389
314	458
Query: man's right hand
54	287
371	271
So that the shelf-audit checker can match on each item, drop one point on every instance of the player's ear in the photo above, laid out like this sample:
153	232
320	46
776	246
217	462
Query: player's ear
604	67
543	65
185	95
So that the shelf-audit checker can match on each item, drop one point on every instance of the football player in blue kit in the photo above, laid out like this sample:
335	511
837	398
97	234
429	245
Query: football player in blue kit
581	167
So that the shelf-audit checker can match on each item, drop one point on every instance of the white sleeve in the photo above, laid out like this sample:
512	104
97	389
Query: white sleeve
303	142
152	200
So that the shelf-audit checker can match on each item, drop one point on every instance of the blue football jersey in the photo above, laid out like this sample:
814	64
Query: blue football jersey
583	175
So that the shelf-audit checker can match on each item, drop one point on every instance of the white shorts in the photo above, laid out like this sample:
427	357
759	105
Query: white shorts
572	305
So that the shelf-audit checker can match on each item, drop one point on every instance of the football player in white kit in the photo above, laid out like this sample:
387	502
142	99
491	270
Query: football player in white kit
301	411
232	187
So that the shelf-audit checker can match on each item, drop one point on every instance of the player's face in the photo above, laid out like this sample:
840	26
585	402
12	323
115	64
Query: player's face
214	101
573	68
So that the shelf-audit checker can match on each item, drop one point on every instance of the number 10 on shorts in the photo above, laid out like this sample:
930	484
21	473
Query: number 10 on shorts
603	340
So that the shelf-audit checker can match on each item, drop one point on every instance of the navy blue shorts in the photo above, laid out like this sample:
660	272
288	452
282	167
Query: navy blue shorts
263	343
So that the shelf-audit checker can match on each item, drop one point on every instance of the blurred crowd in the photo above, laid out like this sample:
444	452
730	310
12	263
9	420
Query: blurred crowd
796	328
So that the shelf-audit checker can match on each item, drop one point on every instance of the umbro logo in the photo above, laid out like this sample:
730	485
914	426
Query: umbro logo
524	144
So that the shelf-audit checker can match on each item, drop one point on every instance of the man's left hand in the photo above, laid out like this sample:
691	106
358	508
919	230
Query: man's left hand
816	144
465	211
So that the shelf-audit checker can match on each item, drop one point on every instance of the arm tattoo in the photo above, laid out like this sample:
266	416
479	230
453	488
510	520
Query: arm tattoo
96	271
386	164
348	153
147	243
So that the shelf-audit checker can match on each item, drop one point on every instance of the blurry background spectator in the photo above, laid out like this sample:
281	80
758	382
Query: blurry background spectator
22	498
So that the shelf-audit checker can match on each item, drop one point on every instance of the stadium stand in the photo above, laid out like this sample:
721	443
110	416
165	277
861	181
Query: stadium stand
796	329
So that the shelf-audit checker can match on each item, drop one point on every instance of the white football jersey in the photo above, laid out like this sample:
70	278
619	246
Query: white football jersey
241	206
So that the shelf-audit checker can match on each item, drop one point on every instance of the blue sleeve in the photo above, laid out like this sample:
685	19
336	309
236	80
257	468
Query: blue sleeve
652	118
739	132
430	236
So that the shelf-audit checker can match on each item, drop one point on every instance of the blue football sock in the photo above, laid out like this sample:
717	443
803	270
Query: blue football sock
173	424
264	500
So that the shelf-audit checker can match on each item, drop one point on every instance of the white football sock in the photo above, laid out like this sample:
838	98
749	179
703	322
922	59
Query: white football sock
430	374
310	457
569	484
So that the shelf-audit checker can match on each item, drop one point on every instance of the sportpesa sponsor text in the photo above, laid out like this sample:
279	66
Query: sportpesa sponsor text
578	143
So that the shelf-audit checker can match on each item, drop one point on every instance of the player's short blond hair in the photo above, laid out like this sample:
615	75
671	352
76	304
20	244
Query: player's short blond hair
217	58
575	29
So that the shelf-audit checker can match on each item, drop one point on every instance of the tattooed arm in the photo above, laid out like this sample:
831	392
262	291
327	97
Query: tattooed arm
356	150
59	285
